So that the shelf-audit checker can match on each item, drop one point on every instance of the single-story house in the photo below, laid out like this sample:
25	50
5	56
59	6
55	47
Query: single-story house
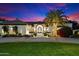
26	28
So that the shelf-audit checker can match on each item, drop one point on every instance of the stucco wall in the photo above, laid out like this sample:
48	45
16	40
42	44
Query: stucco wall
1	29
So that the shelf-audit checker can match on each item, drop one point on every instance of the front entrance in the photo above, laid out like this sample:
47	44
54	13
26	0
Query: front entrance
39	30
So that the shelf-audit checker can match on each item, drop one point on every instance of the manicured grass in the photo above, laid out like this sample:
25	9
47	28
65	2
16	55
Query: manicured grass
39	49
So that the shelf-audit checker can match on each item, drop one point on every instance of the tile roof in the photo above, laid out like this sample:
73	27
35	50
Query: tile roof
17	22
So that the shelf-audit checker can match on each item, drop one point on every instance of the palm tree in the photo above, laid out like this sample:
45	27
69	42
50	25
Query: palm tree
55	18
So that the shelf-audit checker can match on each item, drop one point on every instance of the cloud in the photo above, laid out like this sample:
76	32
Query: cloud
4	10
61	4
74	16
9	8
52	6
7	18
32	19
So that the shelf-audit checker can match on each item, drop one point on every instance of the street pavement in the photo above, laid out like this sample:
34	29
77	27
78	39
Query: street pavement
38	39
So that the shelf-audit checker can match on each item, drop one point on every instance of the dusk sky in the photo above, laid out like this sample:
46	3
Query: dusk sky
37	11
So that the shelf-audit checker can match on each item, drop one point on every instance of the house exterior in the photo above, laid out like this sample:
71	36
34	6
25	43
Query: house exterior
38	29
24	28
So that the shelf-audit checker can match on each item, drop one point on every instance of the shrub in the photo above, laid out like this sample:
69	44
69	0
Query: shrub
34	34
65	31
45	34
76	34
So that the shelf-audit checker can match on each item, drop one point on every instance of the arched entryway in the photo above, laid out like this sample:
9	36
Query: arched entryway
39	30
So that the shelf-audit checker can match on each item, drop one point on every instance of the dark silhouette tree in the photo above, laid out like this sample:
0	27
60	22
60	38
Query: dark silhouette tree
6	29
15	29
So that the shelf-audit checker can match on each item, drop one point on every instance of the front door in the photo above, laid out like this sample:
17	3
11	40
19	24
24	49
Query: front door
40	30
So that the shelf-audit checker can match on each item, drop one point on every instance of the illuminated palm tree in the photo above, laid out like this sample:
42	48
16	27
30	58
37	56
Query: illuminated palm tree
55	18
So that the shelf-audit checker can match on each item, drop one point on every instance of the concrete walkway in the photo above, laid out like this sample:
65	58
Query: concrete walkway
42	39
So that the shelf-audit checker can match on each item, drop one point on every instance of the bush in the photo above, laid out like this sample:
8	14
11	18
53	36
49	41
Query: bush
9	35
65	31
76	35
34	34
45	34
27	35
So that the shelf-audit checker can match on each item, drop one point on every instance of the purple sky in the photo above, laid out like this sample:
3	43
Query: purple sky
36	11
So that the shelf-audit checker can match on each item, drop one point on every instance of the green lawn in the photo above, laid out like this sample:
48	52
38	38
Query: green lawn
39	49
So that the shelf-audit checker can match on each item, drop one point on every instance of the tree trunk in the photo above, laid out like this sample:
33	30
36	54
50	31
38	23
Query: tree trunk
54	30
